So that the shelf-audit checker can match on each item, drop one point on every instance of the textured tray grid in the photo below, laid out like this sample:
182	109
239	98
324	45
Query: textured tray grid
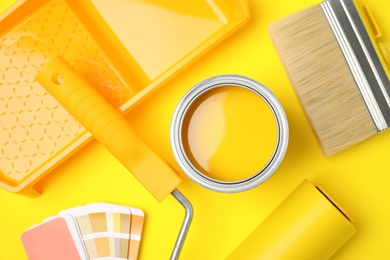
33	126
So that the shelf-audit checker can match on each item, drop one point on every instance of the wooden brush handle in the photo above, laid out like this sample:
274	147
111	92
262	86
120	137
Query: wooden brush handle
108	126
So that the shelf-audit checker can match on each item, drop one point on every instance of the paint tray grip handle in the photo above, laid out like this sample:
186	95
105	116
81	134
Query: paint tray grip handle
108	126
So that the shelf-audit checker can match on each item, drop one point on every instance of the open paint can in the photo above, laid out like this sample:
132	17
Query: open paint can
229	133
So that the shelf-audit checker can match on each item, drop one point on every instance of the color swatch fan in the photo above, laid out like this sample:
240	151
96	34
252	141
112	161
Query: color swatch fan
94	231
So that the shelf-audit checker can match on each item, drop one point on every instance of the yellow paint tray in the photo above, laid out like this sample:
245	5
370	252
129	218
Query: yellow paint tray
125	48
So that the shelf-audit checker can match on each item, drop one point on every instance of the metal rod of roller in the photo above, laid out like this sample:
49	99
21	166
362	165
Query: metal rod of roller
185	225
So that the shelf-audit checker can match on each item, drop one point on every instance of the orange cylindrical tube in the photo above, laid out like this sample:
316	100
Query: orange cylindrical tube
306	225
108	126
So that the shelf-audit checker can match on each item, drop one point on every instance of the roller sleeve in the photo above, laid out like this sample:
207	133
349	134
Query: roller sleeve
306	225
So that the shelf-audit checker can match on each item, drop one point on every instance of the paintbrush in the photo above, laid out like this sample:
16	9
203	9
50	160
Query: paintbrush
337	69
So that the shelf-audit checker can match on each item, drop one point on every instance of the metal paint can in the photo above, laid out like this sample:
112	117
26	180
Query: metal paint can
178	125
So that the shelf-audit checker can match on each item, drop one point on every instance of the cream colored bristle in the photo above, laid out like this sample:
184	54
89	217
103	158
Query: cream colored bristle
322	80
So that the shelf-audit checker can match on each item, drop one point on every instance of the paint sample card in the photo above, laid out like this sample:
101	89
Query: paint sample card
93	231
57	238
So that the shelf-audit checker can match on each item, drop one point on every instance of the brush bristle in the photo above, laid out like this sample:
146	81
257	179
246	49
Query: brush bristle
322	80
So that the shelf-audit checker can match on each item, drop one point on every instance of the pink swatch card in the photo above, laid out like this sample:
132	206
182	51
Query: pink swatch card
57	238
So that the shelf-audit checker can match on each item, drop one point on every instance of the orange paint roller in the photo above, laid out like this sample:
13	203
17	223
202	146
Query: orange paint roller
109	127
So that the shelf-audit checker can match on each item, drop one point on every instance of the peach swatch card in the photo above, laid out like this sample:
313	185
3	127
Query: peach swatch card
94	231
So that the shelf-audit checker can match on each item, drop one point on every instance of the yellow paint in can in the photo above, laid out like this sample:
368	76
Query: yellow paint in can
229	133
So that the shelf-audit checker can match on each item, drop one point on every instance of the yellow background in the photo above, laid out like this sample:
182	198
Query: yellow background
357	178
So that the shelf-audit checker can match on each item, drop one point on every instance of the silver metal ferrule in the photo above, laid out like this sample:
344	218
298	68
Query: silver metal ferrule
362	59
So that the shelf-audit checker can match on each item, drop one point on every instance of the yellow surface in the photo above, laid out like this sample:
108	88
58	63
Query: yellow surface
356	178
5	4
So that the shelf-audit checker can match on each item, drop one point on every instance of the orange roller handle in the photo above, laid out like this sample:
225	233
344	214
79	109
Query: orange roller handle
108	126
